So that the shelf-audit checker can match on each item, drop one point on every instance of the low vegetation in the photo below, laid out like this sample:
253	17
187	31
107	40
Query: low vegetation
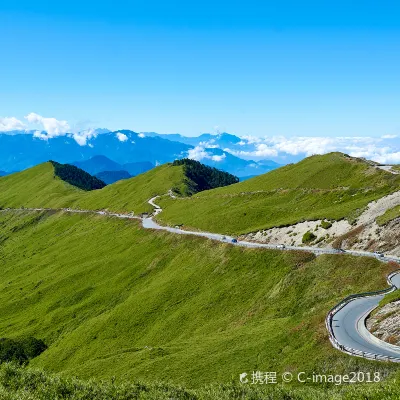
18	383
308	237
326	224
388	216
37	187
332	187
390	298
20	350
158	306
54	185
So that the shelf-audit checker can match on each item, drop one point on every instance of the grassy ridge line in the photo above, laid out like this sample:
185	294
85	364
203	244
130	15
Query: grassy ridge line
37	187
33	384
132	194
40	187
331	186
189	310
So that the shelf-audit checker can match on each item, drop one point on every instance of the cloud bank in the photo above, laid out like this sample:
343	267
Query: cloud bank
51	126
8	124
384	149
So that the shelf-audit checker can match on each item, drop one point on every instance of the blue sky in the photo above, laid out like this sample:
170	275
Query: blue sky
250	67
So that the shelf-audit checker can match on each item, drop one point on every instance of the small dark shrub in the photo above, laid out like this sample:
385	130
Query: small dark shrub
326	224
20	350
308	237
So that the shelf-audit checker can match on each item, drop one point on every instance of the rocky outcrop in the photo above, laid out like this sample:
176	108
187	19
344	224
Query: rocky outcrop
385	323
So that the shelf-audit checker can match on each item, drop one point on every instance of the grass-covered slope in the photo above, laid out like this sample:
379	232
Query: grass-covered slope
18	383
36	187
184	177
77	177
112	299
54	185
132	194
332	186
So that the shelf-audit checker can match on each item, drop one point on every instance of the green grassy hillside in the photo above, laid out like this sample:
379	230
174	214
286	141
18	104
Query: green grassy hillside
111	299
47	186
41	187
37	187
332	186
18	383
132	194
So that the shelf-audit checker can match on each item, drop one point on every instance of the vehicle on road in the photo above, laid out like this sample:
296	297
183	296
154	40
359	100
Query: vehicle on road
281	246
234	240
378	254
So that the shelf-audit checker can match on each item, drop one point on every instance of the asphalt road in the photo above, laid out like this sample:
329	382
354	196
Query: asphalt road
348	324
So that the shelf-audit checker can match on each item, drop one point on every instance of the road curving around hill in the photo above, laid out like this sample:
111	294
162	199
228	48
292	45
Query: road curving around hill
345	322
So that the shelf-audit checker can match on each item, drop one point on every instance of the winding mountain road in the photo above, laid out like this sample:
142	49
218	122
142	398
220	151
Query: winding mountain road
345	322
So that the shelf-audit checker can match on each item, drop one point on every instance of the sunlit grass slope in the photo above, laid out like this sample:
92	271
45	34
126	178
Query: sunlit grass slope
112	299
332	186
132	194
36	187
18	383
40	187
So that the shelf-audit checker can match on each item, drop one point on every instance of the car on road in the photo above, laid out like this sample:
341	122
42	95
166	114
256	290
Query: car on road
234	240
281	246
378	254
341	251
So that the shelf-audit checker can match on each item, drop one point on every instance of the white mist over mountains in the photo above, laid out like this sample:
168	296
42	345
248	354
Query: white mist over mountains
215	148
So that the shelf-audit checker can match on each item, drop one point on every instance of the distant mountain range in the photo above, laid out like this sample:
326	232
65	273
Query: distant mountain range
125	150
109	171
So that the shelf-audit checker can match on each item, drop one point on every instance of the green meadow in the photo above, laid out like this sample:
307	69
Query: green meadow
333	186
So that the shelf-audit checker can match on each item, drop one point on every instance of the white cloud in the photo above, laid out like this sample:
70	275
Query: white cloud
261	150
11	124
122	137
384	149
51	126
82	137
40	135
199	153
218	158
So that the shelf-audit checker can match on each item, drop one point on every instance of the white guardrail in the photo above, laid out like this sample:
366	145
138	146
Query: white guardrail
344	302
317	251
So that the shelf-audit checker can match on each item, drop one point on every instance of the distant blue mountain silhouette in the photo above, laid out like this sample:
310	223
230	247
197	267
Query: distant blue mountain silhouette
124	150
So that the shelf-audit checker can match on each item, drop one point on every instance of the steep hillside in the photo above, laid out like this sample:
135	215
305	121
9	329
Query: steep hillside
37	187
332	186
182	177
111	299
132	194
